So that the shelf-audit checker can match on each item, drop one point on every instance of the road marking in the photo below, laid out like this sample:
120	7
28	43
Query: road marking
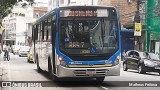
105	88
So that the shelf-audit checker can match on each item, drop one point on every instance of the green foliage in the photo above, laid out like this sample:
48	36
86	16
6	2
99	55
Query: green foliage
5	7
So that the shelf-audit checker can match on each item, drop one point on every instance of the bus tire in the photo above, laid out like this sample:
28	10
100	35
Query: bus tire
38	68
100	79
51	75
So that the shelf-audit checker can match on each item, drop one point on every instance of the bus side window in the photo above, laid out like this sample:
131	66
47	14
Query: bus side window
42	28
39	32
49	30
47	34
53	29
45	30
36	33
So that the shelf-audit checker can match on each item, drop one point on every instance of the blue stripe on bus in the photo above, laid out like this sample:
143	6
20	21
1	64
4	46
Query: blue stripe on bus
57	15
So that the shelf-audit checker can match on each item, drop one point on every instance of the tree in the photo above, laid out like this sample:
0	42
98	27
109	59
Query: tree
6	6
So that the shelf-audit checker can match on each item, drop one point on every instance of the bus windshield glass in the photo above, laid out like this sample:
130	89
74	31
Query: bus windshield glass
91	35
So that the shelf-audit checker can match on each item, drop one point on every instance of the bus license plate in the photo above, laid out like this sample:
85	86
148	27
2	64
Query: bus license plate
157	67
90	72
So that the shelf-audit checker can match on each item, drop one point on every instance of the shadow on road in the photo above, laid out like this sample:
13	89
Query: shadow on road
147	73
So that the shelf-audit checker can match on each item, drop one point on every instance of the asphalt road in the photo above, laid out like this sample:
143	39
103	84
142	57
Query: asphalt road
18	69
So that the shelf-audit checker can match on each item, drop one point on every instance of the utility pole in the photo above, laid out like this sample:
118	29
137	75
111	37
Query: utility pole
137	20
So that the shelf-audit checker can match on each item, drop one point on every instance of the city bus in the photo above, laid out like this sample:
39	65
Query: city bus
78	41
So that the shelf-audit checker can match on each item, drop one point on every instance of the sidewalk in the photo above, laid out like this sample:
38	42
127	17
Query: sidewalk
1	69
1	66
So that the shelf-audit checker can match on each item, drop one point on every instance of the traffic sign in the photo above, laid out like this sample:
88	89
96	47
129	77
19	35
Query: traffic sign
137	29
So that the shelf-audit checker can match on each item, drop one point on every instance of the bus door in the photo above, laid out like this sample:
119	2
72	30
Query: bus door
46	43
41	46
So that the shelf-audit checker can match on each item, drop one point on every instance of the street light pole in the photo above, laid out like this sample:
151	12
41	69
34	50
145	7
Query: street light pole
137	20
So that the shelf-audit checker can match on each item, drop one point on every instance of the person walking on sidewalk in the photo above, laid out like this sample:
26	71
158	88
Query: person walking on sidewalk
123	55
6	52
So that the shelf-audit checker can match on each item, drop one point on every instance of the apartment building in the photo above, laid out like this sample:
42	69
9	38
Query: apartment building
17	26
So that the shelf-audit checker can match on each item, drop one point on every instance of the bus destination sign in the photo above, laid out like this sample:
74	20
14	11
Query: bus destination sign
84	13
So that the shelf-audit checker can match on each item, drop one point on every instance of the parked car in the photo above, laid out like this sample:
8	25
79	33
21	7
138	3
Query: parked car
30	56
16	49
141	61
24	51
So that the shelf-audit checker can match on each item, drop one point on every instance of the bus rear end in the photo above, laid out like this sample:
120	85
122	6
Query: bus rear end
88	42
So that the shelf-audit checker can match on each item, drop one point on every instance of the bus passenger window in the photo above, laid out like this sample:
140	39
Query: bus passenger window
45	30
39	32
49	29
47	34
42	24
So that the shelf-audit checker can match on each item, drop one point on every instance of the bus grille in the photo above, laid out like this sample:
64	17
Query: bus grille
98	72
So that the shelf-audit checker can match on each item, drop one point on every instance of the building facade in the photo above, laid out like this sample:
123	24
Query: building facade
126	9
127	12
152	26
54	3
17	27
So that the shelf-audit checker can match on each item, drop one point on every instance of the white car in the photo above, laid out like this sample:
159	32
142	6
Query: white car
24	51
16	49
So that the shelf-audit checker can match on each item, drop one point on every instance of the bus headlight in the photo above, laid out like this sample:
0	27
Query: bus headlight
62	61
116	62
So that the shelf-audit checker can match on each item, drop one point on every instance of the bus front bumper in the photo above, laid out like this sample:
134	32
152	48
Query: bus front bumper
88	72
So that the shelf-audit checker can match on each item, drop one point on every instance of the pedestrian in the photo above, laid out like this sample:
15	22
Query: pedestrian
6	53
124	55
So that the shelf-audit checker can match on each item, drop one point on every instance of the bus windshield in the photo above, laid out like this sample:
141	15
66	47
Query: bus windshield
88	36
88	31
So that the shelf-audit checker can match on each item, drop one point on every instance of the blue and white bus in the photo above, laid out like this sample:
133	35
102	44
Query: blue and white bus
78	41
